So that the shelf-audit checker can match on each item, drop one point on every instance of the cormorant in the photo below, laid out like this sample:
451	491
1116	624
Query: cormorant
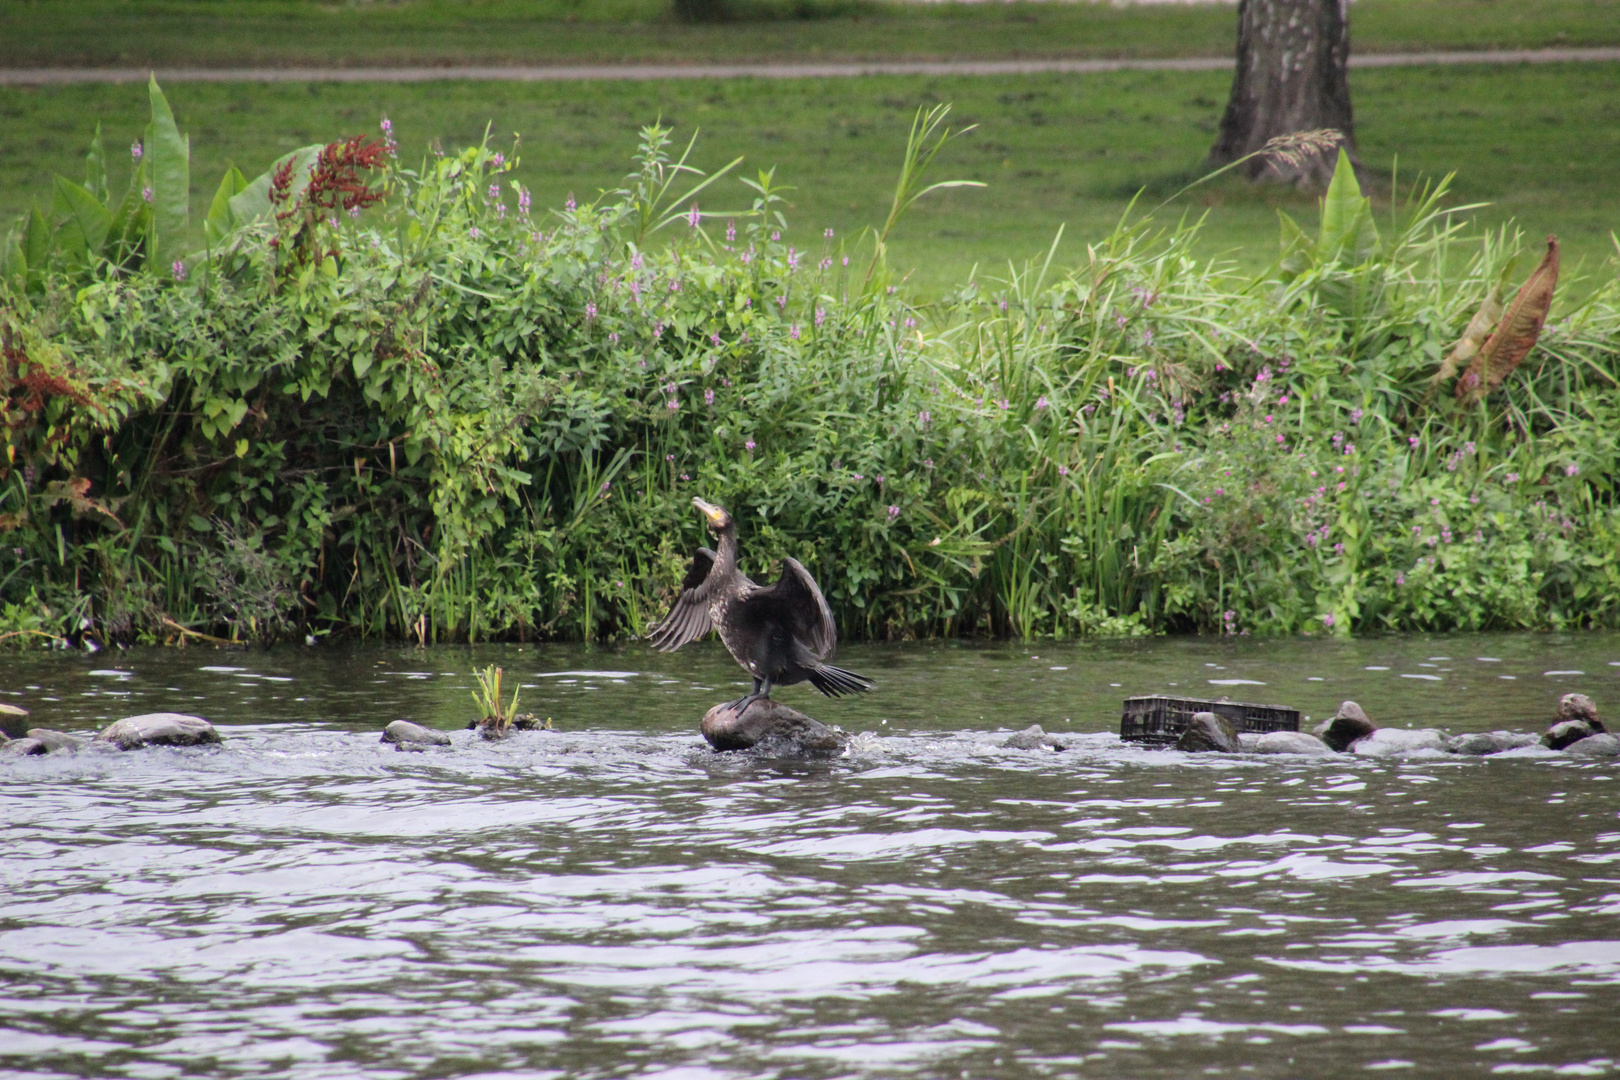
782	634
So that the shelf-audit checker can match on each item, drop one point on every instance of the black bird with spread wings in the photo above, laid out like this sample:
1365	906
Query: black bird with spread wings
781	634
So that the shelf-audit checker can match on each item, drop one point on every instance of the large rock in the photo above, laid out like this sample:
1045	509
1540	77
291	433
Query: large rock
1480	743
408	736
1206	733
1600	745
23	748
13	721
56	740
1346	726
1287	742
1565	733
159	729
1580	707
772	730
1392	742
1034	738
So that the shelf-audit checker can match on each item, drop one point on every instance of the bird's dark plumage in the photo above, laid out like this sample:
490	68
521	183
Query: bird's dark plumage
781	633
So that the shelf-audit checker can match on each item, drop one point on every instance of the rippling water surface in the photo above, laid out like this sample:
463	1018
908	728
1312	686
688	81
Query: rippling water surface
612	899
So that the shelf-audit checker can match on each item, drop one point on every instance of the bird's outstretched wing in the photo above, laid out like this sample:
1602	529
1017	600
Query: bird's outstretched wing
688	619
795	602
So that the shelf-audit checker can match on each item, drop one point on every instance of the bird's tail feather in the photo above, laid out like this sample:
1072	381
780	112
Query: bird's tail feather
836	682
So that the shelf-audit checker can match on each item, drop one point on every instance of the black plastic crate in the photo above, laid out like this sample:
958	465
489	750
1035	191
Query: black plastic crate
1159	721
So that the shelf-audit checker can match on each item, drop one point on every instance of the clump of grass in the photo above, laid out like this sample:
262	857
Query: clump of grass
495	717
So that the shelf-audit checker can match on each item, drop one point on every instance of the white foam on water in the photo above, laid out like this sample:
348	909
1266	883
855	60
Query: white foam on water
1235	682
111	673
1563	673
221	669
1428	678
1375	667
588	674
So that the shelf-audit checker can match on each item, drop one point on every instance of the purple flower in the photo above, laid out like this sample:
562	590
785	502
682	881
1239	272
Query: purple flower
821	316
494	192
1355	416
1063	470
1041	402
613	338
136	150
604	488
1412	441
793	259
731	232
708	396
693	216
590	311
673	405
857	476
146	193
749	446
828	235
793	332
1571	469
569	205
473	232
523	200
1400	579
178	270
894	512
1327	621
714	339
879	480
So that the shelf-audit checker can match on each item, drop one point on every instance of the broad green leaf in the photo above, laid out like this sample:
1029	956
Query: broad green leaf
36	243
95	168
1348	228
221	220
1297	249
13	263
252	203
168	173
87	221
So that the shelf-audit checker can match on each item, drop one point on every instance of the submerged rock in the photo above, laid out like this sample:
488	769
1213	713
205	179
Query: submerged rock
1565	733
1346	726
408	736
771	729
23	747
56	740
1600	745
1480	743
1207	732
159	729
1287	742
13	721
1388	742
1034	738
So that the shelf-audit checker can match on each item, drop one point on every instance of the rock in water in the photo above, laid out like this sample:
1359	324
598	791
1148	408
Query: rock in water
1580	707
1600	745
56	740
13	721
1479	743
1389	742
1347	725
1033	738
408	736
159	729
1567	732
1206	732
1289	742
772	729
23	748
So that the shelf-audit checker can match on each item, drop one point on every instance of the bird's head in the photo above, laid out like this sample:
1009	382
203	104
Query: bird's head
719	520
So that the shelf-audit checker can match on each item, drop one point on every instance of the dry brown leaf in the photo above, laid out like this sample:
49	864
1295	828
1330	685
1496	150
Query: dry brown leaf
1516	334
1479	327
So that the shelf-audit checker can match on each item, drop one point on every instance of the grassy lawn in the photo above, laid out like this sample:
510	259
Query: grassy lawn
1542	144
293	32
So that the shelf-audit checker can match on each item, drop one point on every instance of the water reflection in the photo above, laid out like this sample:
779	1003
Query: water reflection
613	900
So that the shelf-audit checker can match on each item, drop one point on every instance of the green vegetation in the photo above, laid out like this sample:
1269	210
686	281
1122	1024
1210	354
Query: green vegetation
409	402
183	33
1541	143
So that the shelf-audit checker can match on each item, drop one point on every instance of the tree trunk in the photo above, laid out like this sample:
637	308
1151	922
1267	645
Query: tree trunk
1292	76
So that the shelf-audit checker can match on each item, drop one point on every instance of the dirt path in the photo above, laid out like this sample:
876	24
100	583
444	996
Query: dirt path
570	73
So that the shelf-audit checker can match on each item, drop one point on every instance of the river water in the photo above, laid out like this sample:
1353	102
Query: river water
614	900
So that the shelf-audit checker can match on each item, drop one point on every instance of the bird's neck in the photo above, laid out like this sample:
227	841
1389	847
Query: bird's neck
725	555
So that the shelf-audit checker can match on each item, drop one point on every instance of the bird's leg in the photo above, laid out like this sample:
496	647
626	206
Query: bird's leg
746	700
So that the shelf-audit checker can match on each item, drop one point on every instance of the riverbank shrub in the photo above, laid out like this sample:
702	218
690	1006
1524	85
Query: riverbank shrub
405	402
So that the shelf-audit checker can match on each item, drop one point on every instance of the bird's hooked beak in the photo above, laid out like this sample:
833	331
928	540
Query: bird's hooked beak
717	517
